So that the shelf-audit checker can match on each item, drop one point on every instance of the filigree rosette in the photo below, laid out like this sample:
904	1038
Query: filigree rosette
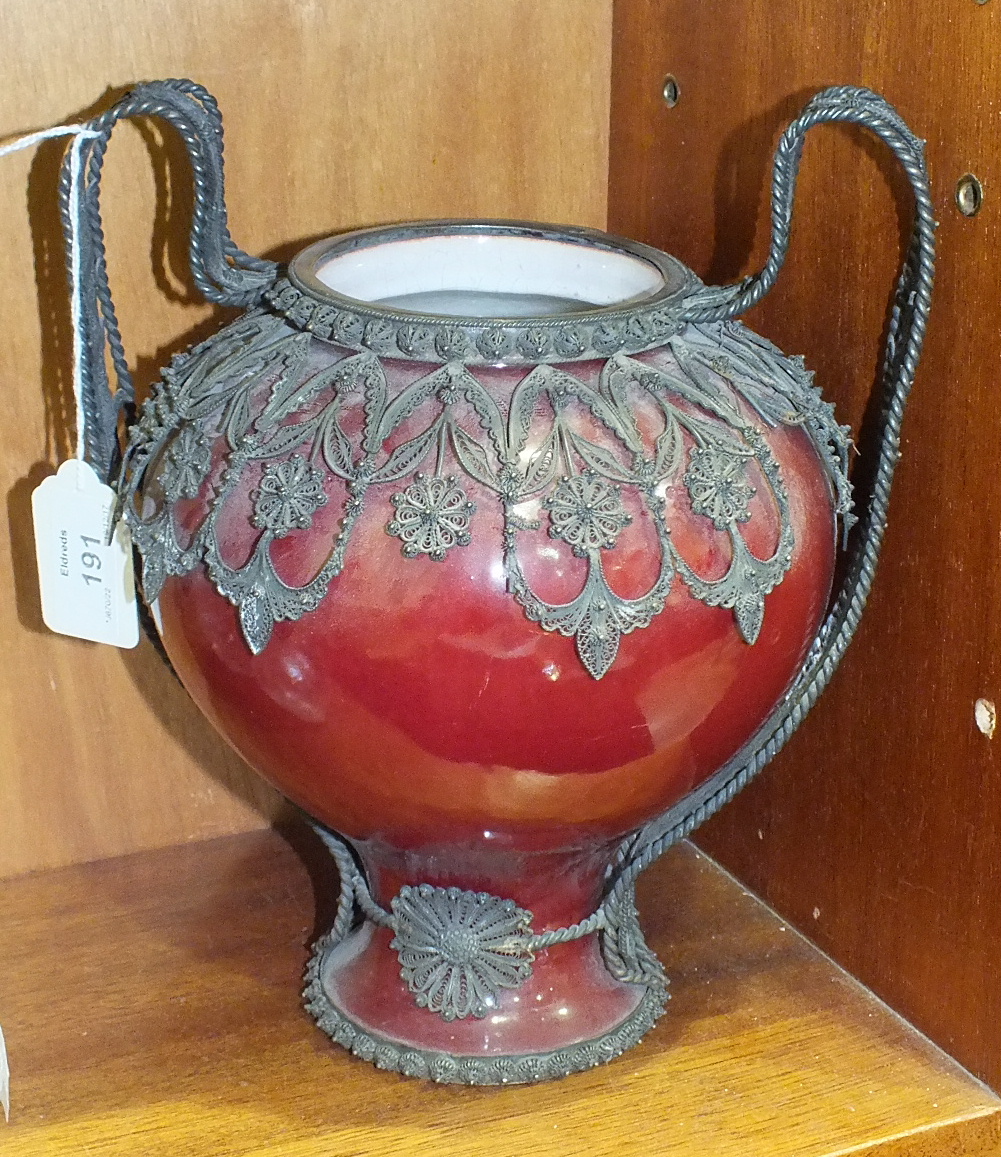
459	949
288	496
432	516
587	513
577	451
186	464
718	486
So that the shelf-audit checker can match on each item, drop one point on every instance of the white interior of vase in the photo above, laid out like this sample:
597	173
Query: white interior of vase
490	275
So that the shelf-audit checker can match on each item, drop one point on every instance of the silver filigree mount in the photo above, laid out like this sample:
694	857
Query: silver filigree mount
252	399
586	512
459	949
432	516
310	304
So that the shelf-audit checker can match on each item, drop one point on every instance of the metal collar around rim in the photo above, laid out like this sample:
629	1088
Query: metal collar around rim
592	332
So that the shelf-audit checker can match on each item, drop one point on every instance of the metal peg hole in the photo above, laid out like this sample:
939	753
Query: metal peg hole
980	1
969	195
672	91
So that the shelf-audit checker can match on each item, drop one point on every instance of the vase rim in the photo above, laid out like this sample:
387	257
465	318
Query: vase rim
640	289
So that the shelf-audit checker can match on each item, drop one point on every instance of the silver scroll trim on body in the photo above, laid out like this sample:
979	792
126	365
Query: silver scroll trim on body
297	440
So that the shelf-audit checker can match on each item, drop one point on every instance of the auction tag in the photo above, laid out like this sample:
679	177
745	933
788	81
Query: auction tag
4	1079
86	582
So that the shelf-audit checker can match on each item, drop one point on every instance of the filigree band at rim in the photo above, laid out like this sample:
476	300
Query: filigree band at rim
592	332
427	339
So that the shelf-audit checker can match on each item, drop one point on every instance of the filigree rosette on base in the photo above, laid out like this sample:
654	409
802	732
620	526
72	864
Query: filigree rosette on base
458	949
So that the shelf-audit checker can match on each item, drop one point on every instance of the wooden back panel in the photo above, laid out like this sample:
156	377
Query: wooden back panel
338	114
878	831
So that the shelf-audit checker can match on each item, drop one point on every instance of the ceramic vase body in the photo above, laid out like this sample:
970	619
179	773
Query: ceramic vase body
484	556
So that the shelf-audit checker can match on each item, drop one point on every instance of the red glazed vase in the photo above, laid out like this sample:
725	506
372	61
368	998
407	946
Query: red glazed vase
505	552
487	552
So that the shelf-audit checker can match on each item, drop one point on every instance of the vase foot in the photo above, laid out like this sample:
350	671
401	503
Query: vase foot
571	1015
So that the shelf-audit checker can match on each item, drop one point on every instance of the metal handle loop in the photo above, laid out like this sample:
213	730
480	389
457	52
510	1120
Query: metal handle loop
908	322
221	270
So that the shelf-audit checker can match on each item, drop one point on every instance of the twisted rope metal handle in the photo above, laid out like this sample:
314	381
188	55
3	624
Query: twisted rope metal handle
221	270
908	321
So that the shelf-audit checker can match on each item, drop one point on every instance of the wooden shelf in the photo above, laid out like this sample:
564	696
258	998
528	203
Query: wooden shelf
151	1007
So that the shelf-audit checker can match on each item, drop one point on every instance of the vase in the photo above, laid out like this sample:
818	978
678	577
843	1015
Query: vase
505	552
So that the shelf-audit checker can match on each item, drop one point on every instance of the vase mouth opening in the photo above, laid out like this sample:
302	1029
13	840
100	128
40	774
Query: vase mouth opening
462	271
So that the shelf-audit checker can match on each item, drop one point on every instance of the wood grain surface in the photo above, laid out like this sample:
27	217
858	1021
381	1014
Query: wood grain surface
338	113
878	831
151	1006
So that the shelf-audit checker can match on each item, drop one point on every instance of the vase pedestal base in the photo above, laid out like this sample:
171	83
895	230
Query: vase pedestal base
570	1015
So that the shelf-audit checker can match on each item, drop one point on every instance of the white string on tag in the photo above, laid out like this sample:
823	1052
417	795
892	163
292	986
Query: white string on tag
84	558
81	133
29	140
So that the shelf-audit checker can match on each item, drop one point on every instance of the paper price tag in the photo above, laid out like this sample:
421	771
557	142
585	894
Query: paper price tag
87	584
4	1079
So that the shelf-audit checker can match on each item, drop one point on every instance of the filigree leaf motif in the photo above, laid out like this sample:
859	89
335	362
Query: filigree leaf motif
601	460
613	383
523	403
656	380
669	448
757	578
214	373
486	410
709	433
300	397
375	392
284	440
542	465
761	373
597	641
238	418
562	383
256	619
764	382
154	574
750	614
407	456
288	383
334	444
472	456
781	390
691	383
415	395
701	386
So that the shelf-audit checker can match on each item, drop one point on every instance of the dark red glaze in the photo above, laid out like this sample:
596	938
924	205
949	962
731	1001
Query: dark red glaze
419	712
420	707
